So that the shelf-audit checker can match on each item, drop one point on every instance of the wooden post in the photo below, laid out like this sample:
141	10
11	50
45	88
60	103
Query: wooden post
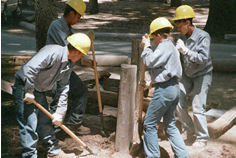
136	60
126	107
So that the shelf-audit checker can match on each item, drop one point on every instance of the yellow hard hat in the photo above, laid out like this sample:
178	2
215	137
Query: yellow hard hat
184	12
80	41
77	5
159	23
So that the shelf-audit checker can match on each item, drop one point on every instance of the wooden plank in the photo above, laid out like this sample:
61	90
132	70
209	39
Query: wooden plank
222	124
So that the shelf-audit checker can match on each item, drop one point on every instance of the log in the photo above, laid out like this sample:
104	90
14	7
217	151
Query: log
93	121
222	124
126	108
109	60
6	87
102	60
14	60
214	114
110	111
111	85
108	97
10	69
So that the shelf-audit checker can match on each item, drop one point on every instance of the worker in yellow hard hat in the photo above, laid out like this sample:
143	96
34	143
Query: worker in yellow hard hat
58	32
197	75
51	65
60	29
165	69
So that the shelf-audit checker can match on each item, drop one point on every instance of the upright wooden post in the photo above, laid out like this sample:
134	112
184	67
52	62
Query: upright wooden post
136	60
126	107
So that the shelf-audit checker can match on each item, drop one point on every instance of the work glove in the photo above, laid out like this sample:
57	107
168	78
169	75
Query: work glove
57	120
145	41
28	98
142	84
180	46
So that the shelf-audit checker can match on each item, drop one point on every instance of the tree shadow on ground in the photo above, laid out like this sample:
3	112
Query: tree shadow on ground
130	16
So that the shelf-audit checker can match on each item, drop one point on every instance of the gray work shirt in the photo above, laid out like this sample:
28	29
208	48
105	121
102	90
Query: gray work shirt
58	32
46	68
197	61
164	62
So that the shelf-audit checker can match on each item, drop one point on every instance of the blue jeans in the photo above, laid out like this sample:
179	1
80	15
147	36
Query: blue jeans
198	88
163	104
27	118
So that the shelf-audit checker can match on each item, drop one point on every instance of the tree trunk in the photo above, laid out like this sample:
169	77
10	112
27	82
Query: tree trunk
45	13
175	3
221	19
93	6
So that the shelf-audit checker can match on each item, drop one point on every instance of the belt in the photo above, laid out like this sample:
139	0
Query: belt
172	81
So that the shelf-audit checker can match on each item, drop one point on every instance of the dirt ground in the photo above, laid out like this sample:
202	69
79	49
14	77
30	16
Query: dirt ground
223	147
130	17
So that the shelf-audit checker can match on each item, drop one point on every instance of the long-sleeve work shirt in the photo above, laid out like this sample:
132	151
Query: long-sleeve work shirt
58	32
46	68
164	62
197	61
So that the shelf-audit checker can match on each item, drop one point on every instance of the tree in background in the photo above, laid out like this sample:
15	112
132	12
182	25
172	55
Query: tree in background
93	6
45	13
221	19
175	3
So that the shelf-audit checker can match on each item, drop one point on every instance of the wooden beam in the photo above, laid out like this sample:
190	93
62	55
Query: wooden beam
222	124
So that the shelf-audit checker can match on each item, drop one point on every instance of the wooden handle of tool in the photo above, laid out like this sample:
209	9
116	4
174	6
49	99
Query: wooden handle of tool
141	92
96	78
67	130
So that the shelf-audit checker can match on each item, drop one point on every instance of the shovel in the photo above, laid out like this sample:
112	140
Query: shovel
67	130
102	130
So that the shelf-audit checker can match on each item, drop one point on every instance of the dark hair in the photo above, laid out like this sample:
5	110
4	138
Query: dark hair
165	32
184	20
70	47
68	9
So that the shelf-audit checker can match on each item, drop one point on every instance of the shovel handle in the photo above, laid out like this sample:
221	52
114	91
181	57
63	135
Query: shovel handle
67	130
141	91
96	78
140	112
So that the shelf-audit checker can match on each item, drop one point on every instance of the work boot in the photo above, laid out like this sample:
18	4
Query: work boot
83	130
63	155
199	144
